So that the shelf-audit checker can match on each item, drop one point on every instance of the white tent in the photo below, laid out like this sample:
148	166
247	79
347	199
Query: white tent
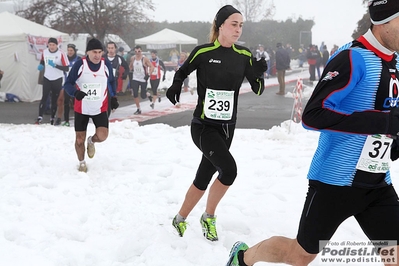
81	39
17	62
166	38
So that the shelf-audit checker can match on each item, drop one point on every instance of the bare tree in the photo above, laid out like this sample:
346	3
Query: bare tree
363	24
95	17
16	4
253	10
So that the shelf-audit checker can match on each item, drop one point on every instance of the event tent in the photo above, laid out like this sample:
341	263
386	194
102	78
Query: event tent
18	61
166	38
81	39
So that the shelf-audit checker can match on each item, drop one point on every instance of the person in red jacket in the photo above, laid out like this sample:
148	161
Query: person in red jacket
312	56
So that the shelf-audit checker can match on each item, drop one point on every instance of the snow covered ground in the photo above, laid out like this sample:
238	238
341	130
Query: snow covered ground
119	213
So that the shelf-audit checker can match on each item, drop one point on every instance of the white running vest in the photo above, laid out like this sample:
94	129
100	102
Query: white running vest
138	70
95	85
156	73
59	58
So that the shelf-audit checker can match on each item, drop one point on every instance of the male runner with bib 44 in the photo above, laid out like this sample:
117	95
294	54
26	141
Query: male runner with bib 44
90	80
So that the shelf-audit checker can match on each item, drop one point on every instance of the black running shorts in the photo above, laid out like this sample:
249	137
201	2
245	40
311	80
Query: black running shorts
327	206
81	121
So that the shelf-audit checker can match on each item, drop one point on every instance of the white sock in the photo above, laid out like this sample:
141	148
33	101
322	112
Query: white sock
180	218
206	215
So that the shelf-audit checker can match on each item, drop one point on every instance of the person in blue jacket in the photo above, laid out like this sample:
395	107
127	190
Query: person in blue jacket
355	108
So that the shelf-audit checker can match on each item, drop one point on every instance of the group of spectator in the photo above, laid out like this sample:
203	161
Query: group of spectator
278	62
316	58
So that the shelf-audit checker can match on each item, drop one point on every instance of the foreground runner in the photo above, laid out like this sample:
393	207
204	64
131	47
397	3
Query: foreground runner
221	67
354	106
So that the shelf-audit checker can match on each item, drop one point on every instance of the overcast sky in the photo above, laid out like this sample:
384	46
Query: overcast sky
335	20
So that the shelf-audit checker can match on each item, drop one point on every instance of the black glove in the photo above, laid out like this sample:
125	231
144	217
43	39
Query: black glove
393	127
114	103
173	93
146	77
394	150
79	95
259	66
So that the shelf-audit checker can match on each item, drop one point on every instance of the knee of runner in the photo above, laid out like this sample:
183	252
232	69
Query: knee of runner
202	180
200	185
101	138
79	141
101	135
228	175
227	179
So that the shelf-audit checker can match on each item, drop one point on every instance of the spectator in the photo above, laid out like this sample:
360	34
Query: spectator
326	56
318	61
174	55
272	70
121	51
301	56
64	99
262	53
289	49
182	59
1	76
334	49
312	56
282	64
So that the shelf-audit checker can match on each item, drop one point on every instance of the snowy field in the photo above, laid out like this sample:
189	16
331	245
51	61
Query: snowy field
119	213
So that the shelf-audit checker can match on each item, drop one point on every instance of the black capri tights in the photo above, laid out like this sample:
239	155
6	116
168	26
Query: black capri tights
214	142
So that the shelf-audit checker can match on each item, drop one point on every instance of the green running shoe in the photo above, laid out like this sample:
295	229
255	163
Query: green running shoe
233	256
66	124
209	228
179	226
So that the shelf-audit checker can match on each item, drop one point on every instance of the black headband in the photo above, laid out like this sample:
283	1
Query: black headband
383	11
224	13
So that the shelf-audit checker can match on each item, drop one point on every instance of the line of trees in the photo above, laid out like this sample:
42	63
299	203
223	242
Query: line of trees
95	17
127	19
